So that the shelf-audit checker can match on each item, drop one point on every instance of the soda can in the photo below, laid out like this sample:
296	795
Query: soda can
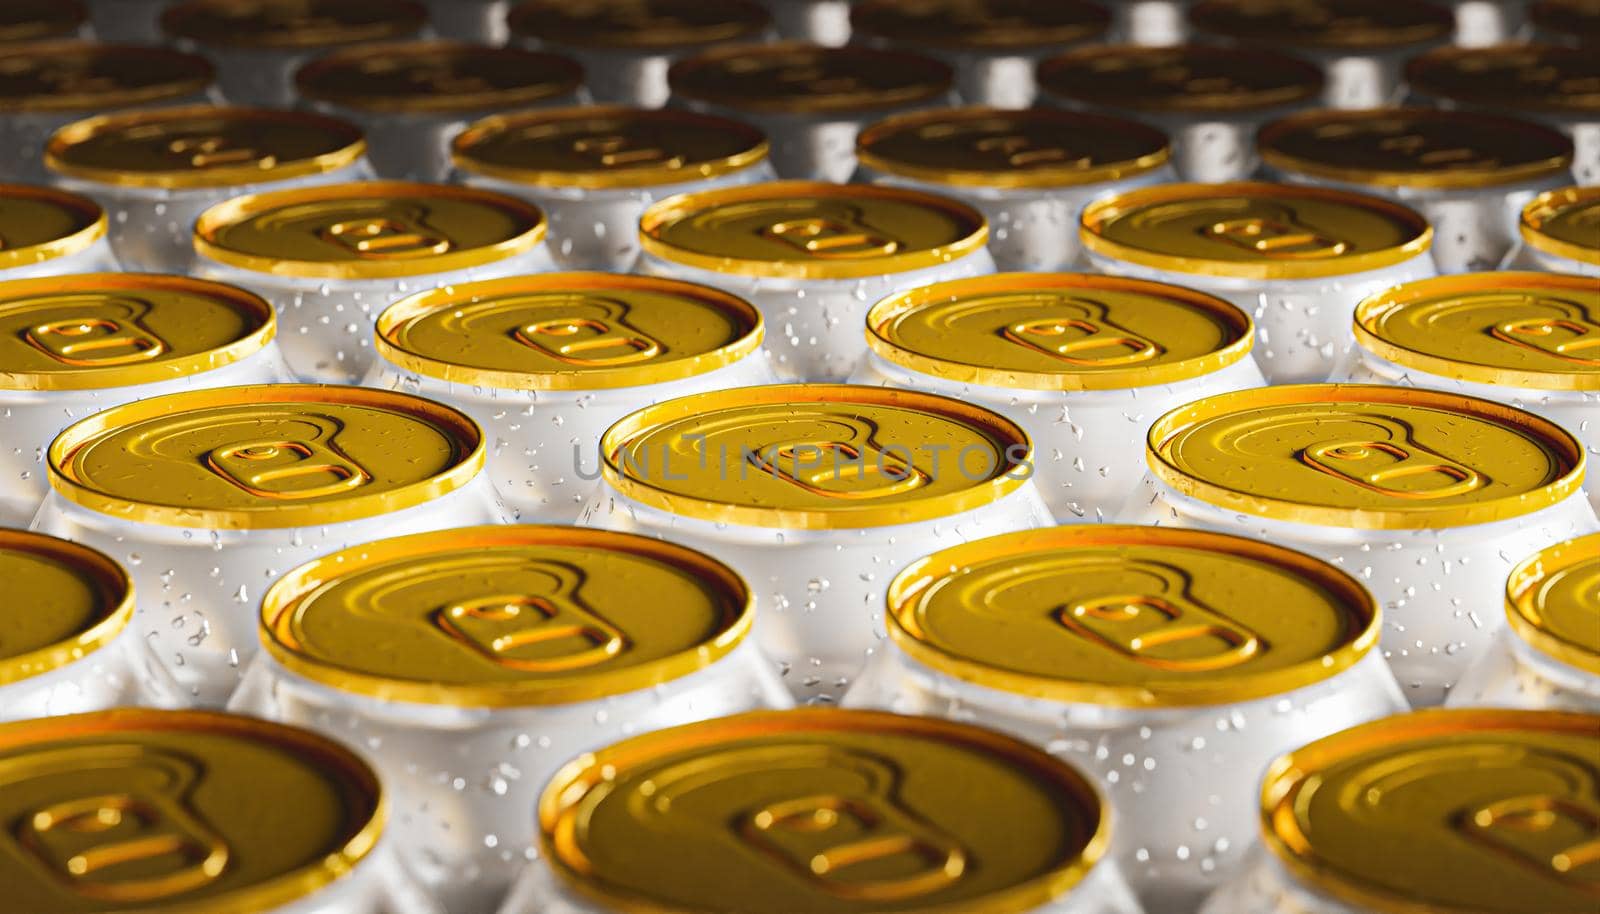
127	21
813	258
1429	811
156	171
1209	100
822	810
42	20
545	364
49	232
140	809
626	46
481	22
811	101
821	22
1469	174
208	496
1426	497
1157	660
1557	231
1574	22
1150	23
594	170
510	649
330	258
412	98
1297	259
993	45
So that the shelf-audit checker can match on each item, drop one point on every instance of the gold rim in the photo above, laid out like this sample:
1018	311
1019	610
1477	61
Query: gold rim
205	75
111	578
567	78
78	241
1528	575
1549	204
843	103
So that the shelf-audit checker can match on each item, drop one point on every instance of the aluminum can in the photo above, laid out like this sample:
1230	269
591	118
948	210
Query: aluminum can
813	258
1297	259
412	98
1083	363
1029	172
1209	100
207	496
50	232
594	170
42	20
156	171
994	46
1575	22
811	101
823	22
1557	231
1427	812
330	258
817	494
821	810
480	22
1150	23
626	46
1482	23
127	21
1426	497
545	364
139	809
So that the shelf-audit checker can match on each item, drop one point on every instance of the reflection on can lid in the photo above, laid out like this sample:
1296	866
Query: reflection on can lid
811	230
242	815
568	331
292	24
1189	79
36	20
735	813
980	24
1553	601
270	456
1254	230
506	616
63	602
1578	20
368	230
439	77
1539	331
805	78
1058	331
815	456
603	147
1511	77
41	223
1489	809
996	147
638	23
1565	223
1365	456
91	77
1326	24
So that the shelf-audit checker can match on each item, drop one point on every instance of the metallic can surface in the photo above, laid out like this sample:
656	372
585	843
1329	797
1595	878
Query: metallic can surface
1029	172
1083	363
496	637
1575	22
477	21
822	22
41	20
1558	232
813	258
51	232
594	170
330	258
127	21
1150	23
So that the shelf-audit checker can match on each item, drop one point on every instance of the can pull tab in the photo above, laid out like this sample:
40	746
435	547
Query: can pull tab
588	341
617	151
839	469
94	341
1573	340
217	152
830	239
1162	626
1393	469
1558	837
384	238
535	634
1077	341
286	470
1276	238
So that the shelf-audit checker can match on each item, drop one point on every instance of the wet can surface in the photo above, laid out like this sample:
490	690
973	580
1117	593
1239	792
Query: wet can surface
1158	660
42	20
821	810
330	258
509	650
51	232
813	258
1481	23
1426	497
1029	172
1575	22
1150	23
1558	232
545	364
594	170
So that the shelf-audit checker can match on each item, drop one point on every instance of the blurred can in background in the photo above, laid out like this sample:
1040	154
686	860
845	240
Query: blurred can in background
42	20
1150	23
1574	22
127	21
51	232
1561	232
822	22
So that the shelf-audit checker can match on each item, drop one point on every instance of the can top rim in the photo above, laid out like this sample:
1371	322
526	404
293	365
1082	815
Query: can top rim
1437	74
1072	21
41	20
1298	81
919	78
546	76
1550	209
91	215
1528	609
1409	23
208	23
196	74
115	589
721	21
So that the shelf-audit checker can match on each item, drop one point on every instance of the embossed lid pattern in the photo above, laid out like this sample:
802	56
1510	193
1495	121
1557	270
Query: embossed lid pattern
1553	601
41	223
36	20
1380	25
1189	79
805	78
63	602
1511	77
92	77
1564	223
437	77
985	24
638	23
291	24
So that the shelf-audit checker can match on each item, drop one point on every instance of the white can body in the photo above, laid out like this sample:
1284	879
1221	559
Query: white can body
23	134
824	22
477	21
379	884
813	147
406	146
1528	257
1514	674
1266	887
1358	82
117	674
1481	23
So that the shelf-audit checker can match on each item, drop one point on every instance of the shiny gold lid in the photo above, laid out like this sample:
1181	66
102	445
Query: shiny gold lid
92	77
368	230
37	20
182	812
1058	331
1530	330
996	147
42	223
822	811
1355	25
1187	79
437	77
1511	77
568	331
1460	811
791	77
1249	230
268	456
291	24
638	23
815	456
1363	456
1553	601
1564	223
63	602
980	24
1578	20
603	148
811	230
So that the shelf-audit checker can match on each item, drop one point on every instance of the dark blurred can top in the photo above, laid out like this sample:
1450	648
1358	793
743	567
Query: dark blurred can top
638	24
437	77
38	224
1182	80
69	76
1566	21
802	78
291	24
38	20
1323	25
64	602
1527	77
991	25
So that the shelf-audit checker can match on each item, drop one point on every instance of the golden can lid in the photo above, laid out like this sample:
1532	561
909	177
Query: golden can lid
437	77
291	24
604	148
1372	25
1577	20
368	230
41	223
1530	330
63	602
1364	456
1553	602
997	147
1511	77
1564	223
505	616
269	456
1252	230
791	77
638	23
811	230
815	456
568	331
187	812
1187	79
1059	331
1486	812
39	20
92	77
980	24
822	811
